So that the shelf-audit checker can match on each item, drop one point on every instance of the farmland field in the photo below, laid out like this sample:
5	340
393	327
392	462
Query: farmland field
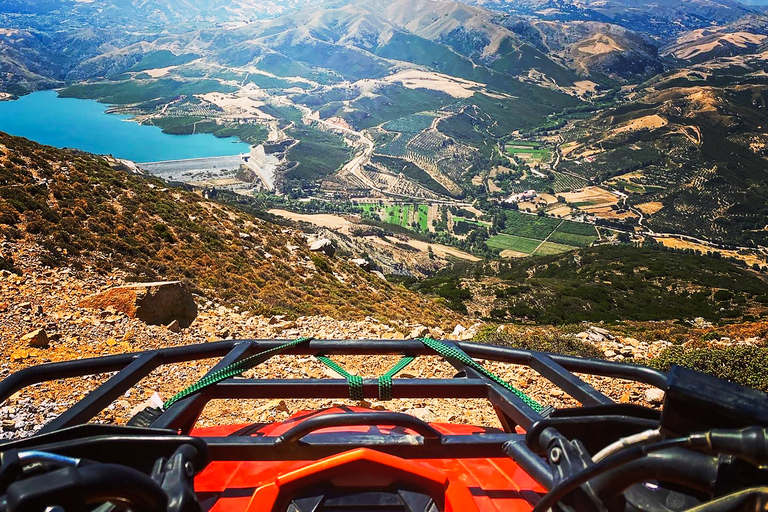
423	216
528	149
529	226
561	183
406	128
401	214
514	243
548	248
578	228
571	238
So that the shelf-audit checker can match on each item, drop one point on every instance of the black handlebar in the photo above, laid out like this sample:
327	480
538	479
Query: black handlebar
310	425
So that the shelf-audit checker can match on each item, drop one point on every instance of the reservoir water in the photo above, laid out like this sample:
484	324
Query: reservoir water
84	124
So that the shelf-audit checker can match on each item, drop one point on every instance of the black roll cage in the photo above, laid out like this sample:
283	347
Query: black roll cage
69	433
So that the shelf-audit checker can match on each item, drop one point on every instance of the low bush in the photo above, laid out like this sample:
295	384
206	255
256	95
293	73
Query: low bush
556	343
747	366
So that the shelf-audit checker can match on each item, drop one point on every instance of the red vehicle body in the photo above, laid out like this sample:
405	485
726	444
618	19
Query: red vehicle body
474	484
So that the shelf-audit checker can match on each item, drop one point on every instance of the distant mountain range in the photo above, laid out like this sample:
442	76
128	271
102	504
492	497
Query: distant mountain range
664	100
154	12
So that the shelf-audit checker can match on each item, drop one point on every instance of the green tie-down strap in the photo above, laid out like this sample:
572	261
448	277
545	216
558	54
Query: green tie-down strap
459	355
385	382
233	369
356	383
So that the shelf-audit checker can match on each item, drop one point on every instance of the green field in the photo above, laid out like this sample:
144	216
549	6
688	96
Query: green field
524	230
529	226
423	216
471	221
534	149
571	239
401	214
577	228
513	243
574	233
548	248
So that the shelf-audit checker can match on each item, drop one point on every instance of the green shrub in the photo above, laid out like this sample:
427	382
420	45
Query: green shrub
723	295
747	366
541	342
321	263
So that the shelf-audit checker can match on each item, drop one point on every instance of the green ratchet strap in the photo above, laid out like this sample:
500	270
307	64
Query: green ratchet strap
385	382
457	354
233	369
355	381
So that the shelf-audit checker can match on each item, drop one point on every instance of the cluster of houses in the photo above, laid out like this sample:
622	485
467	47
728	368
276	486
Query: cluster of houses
523	196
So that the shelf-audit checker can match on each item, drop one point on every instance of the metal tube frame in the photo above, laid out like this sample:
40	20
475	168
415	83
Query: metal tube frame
181	417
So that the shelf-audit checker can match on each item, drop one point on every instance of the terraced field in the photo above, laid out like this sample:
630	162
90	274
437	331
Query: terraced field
562	183
406	129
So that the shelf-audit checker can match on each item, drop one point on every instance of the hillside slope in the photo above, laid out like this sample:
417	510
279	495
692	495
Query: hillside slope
606	283
80	211
688	149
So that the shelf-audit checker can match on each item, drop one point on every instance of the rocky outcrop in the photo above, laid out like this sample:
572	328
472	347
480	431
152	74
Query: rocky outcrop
153	303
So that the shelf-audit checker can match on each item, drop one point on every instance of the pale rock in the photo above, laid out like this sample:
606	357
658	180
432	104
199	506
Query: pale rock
422	413
596	337
437	333
362	263
654	395
458	330
37	338
700	323
631	341
419	332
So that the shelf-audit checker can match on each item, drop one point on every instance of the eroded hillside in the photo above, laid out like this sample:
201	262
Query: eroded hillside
79	210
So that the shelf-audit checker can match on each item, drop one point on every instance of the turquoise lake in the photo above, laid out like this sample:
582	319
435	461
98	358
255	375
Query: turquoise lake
83	124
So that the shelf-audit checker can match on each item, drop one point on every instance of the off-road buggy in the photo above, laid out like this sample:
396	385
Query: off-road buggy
705	450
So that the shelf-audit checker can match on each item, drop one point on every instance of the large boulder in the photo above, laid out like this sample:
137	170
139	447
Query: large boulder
153	303
325	246
362	263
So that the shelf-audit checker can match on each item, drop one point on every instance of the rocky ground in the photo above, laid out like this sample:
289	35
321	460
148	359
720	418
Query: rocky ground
41	320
